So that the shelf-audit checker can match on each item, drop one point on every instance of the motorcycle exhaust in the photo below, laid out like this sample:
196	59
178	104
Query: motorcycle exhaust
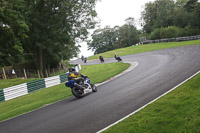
78	86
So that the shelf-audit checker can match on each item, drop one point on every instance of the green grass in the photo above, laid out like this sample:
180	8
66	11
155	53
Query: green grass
144	48
23	104
178	111
103	72
11	82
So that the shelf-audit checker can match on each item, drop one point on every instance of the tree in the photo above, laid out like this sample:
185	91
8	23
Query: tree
103	40
128	34
158	14
180	17
164	13
47	30
190	5
193	8
181	3
13	29
111	38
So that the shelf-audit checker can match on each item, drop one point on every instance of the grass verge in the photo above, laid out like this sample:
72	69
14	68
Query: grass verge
11	82
144	48
178	111
35	100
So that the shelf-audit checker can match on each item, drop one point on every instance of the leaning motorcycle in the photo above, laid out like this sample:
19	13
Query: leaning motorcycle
81	88
118	58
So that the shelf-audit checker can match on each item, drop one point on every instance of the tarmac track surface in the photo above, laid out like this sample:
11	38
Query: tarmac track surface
157	72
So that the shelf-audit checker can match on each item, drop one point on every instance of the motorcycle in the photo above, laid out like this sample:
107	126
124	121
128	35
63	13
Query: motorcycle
101	59
81	88
118	58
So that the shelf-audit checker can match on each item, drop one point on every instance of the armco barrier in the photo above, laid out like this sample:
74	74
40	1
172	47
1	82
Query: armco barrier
177	39
63	77
26	88
36	85
15	91
55	80
2	98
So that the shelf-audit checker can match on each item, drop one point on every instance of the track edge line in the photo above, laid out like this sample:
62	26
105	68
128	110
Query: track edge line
147	103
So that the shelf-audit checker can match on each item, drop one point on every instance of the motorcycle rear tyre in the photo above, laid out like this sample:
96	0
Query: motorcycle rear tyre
77	92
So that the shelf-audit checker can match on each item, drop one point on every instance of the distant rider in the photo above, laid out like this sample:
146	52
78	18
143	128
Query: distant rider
117	57
82	58
101	58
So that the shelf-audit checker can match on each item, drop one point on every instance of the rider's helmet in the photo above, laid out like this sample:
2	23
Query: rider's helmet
71	69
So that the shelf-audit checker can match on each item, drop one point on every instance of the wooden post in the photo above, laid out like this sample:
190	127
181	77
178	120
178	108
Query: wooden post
4	74
47	73
25	74
38	73
53	71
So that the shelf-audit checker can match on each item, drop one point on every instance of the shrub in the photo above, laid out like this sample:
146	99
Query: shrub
172	32
155	34
191	31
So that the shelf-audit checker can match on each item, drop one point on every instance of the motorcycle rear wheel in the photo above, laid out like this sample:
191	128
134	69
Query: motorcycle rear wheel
78	93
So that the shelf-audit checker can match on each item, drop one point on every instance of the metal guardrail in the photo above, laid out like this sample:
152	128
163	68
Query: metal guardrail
55	80
36	85
177	39
2	98
63	77
15	91
26	88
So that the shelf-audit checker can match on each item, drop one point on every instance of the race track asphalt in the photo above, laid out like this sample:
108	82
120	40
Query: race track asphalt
157	72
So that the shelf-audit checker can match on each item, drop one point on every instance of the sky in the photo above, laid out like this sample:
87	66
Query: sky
114	13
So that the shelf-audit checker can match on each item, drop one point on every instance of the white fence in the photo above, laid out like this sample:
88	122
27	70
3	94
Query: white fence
177	39
23	89
55	80
15	91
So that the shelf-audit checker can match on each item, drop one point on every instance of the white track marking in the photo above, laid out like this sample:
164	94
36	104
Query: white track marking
148	103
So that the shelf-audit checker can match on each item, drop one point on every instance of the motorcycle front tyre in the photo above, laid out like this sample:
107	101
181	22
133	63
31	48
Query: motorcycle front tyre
78	93
94	88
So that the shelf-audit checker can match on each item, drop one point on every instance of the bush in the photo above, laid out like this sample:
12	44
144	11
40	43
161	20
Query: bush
172	32
155	34
191	31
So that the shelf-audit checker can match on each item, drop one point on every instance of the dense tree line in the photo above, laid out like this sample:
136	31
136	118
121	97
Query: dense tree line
179	15
160	19
46	31
117	37
43	31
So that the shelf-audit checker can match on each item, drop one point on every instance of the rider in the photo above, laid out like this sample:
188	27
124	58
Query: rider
116	56
101	58
73	75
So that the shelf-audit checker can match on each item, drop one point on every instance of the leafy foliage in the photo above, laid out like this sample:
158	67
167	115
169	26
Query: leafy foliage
158	14
44	31
103	40
111	38
168	32
13	29
128	35
165	13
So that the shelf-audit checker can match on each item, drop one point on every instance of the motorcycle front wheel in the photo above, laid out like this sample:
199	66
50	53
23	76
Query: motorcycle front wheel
78	93
94	88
